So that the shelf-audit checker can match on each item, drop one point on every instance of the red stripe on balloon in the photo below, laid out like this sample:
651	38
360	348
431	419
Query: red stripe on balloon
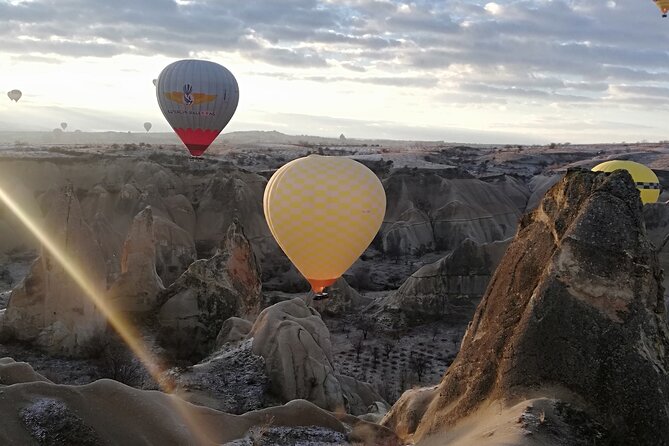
197	140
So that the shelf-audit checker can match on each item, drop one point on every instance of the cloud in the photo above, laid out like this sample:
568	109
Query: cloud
577	53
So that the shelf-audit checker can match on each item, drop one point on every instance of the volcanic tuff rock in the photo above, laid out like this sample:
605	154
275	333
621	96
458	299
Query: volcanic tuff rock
138	285
574	311
49	308
233	330
452	210
341	299
449	289
208	293
175	250
656	217
236	195
36	411
296	347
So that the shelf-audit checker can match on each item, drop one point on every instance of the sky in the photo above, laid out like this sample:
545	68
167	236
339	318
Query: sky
511	71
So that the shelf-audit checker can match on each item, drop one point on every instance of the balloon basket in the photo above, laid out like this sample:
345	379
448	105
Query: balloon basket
321	296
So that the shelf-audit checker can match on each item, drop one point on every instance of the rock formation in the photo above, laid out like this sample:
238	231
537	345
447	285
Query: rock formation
342	299
175	250
49	308
573	320
457	206
295	345
233	330
235	195
656	217
36	411
208	293
137	287
448	290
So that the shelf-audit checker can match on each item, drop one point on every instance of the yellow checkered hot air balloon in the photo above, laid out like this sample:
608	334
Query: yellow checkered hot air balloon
663	5
324	212
645	179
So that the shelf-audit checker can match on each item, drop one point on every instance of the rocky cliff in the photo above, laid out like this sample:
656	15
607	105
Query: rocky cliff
209	292
573	320
434	210
447	290
48	307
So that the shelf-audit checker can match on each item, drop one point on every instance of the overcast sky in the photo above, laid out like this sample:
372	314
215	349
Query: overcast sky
454	70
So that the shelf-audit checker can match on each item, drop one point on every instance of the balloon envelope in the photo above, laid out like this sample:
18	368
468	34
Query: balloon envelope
155	81
63	125
14	95
147	126
324	212
198	99
645	179
663	5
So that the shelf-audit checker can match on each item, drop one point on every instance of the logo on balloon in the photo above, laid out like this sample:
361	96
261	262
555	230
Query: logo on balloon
188	98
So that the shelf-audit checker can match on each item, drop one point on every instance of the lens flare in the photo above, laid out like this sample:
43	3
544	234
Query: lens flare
125	330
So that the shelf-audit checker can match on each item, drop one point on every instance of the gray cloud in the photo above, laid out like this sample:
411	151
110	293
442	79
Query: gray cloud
566	51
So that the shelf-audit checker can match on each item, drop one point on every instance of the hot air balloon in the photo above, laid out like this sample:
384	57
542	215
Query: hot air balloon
63	125
14	95
147	126
324	212
645	179
198	99
663	5
155	82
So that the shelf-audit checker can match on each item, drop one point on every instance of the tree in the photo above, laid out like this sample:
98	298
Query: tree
418	364
364	325
387	348
358	345
375	356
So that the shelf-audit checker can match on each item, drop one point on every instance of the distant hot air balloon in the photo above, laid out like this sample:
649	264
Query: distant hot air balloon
198	99
155	82
645	179
324	212
147	126
63	125
14	95
663	5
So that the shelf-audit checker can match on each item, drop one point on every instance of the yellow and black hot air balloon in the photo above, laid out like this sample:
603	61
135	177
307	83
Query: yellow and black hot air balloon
324	212
645	179
663	5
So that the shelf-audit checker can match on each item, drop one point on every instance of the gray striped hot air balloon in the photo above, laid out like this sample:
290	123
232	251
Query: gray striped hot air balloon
198	99
147	126
14	95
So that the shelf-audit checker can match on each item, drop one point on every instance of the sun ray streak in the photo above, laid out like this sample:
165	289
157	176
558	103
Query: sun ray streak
126	331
